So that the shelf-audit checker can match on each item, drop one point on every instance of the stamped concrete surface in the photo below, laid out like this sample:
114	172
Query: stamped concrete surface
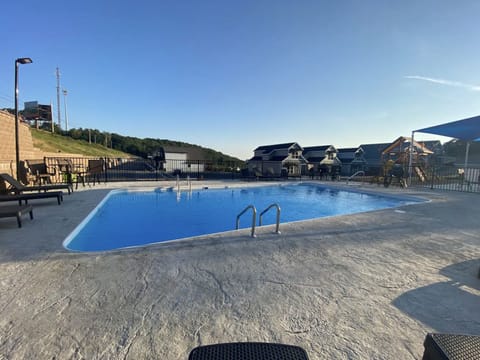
365	286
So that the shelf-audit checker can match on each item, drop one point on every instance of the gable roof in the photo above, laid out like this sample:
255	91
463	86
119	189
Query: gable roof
346	153
316	148
404	143
270	148
373	152
345	150
193	153
433	145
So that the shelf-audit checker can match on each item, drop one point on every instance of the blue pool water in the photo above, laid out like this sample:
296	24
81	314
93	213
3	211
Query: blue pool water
126	219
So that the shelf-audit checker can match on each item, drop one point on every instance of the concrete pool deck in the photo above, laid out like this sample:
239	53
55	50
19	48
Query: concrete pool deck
363	286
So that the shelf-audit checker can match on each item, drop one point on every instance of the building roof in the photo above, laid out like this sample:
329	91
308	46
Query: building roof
192	152
347	154
316	158
277	158
270	148
433	145
373	152
347	150
316	148
402	143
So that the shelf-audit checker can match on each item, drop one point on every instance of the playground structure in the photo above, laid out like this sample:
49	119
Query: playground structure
397	156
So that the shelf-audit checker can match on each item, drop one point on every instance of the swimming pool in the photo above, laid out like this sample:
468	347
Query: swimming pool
125	218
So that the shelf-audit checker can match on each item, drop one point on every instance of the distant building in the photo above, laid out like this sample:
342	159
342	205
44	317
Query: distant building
352	160
179	159
278	160
372	153
323	160
433	145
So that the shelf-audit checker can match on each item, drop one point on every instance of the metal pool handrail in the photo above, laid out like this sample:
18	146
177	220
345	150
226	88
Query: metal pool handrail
357	173
277	230
254	217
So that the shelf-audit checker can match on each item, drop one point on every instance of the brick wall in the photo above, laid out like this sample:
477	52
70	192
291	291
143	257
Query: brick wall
7	139
7	144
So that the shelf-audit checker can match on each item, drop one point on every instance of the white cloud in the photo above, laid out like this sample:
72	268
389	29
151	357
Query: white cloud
445	82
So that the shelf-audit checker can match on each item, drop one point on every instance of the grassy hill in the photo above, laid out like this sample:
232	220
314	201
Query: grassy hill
149	146
74	142
46	141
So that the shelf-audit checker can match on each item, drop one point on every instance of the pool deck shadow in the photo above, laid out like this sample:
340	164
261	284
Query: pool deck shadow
449	306
360	286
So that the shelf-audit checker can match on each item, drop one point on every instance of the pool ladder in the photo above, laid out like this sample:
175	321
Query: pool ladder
254	216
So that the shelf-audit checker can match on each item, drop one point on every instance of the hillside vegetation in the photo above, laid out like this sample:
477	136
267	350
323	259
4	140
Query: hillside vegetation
113	145
148	146
55	143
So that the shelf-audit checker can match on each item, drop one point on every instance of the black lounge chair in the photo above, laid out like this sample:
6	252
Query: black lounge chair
451	346
33	196
17	187
16	211
248	350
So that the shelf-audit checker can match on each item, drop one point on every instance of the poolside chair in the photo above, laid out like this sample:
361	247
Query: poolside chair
451	346
38	172
16	211
33	196
18	188
95	169
72	172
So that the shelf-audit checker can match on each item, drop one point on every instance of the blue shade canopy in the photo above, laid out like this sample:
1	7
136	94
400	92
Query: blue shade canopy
466	129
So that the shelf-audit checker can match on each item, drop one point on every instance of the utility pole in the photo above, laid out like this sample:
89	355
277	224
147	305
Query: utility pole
58	99
51	113
65	93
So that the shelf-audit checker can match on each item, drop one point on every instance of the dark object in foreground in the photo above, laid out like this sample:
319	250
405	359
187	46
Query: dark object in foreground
248	350
18	188
451	347
32	196
16	211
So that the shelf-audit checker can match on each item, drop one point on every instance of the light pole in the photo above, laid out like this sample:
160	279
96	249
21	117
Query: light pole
17	146
65	93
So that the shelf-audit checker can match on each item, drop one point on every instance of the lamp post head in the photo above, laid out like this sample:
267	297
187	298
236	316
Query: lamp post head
24	61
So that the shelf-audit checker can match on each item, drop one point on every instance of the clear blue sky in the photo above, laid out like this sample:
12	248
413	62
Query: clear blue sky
233	75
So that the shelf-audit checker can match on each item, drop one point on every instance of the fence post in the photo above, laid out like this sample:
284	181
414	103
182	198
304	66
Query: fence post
105	165
433	177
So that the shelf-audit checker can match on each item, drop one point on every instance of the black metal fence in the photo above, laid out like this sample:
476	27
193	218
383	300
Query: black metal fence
102	169
452	178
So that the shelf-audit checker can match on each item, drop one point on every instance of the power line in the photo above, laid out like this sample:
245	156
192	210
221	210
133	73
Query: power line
6	97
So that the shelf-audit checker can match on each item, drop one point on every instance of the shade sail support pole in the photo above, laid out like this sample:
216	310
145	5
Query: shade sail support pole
467	150
410	160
